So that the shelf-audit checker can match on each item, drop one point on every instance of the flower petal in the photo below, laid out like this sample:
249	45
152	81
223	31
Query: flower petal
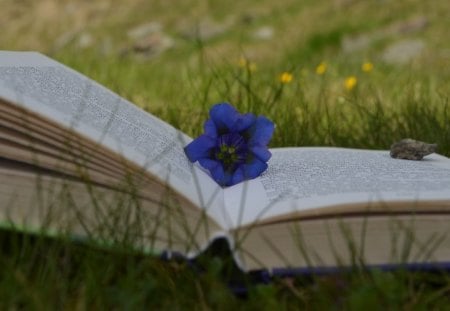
199	148
261	152
226	182
238	176
210	128
209	164
216	170
261	132
224	116
244	122
254	168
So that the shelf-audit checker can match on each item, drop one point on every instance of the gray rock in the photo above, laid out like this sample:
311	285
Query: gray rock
147	40
403	52
264	33
409	26
363	41
153	44
144	30
85	40
410	149
206	29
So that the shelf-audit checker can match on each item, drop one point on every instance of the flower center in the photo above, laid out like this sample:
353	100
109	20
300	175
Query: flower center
231	150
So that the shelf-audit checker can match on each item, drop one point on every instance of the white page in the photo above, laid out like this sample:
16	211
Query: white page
59	93
307	178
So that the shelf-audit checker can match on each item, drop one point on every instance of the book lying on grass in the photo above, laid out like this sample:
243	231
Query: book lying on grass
77	159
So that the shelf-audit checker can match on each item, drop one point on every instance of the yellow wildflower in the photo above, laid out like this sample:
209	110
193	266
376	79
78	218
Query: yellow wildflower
246	64
350	83
367	67
321	68
252	67
286	77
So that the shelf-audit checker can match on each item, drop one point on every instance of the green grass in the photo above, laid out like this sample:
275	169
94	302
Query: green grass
387	104
42	273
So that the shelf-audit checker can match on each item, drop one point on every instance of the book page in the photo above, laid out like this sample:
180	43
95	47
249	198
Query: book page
306	178
59	93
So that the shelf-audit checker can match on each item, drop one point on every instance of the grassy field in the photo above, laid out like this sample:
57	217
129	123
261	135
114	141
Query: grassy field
347	73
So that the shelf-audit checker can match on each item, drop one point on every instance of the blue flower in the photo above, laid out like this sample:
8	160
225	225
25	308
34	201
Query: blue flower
233	147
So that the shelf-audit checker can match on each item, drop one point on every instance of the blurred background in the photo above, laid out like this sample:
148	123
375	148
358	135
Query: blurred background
392	31
146	50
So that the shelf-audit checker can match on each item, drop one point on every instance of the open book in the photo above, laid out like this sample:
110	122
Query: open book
77	159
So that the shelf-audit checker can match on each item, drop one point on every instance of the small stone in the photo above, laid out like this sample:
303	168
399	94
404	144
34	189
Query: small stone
403	52
144	30
410	149
206	29
153	44
264	33
412	25
85	40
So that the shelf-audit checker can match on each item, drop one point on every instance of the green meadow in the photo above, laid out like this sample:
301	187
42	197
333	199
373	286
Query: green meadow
347	73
